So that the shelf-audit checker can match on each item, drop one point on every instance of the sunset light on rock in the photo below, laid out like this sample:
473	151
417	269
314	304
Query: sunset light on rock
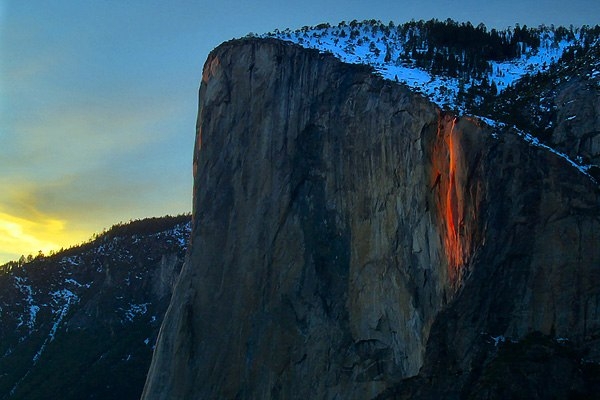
453	246
457	191
449	194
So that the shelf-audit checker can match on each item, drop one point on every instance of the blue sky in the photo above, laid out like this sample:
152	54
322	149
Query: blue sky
98	99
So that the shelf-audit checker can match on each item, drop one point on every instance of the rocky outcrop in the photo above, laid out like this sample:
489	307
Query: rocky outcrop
577	130
348	234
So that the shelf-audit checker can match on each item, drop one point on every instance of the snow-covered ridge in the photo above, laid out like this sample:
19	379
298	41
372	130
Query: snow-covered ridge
396	53
441	61
534	141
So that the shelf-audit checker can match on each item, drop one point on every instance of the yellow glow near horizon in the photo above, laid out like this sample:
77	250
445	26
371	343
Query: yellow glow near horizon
22	236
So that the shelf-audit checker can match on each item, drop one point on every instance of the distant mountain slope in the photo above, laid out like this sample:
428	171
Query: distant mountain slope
82	323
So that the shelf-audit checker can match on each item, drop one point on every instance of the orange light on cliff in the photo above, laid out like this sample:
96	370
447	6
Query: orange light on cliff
453	243
449	195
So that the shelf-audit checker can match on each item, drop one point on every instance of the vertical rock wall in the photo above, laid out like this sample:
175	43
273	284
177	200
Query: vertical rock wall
347	235
318	262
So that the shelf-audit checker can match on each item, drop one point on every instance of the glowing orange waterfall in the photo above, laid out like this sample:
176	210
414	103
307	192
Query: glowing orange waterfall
453	245
449	195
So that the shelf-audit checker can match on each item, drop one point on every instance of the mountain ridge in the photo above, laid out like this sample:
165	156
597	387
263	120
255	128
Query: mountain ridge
83	321
501	57
509	77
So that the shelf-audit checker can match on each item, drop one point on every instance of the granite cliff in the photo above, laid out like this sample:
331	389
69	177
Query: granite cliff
349	235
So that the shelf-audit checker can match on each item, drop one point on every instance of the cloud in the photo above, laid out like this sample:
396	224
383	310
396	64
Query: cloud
31	222
22	236
25	229
88	135
48	215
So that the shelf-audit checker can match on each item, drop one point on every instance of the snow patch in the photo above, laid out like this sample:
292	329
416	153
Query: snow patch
71	261
498	339
134	310
77	284
31	308
63	298
532	140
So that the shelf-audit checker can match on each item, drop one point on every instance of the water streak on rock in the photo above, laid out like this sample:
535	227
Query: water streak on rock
450	196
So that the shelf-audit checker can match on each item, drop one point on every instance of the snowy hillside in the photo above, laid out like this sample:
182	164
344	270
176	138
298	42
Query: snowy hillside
506	78
87	318
431	57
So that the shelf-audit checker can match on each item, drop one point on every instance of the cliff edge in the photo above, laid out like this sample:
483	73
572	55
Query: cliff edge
348	235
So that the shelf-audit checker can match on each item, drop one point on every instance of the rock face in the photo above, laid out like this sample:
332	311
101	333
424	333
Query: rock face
347	235
578	118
